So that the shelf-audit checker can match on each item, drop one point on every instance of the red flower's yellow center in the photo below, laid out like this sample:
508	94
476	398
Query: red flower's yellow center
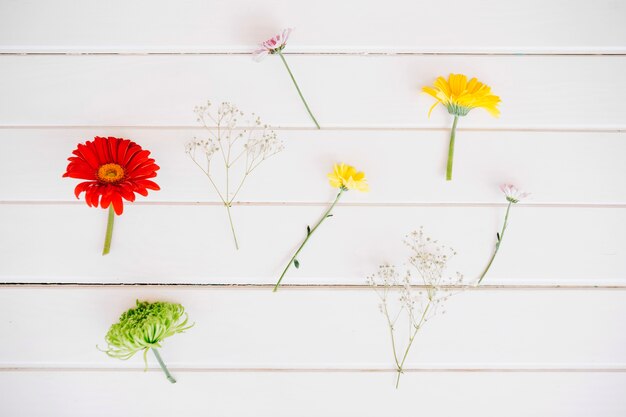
110	173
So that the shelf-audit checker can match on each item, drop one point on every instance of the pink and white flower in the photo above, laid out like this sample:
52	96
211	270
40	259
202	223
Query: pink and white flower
513	194
272	45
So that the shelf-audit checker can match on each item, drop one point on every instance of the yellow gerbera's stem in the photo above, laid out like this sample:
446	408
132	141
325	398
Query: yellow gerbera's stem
309	232
451	149
163	367
109	233
298	88
498	242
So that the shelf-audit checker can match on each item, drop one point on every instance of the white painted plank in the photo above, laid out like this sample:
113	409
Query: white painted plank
402	166
192	243
363	91
314	395
397	25
319	329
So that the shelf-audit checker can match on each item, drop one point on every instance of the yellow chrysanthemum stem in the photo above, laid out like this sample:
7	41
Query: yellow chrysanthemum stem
109	232
232	226
308	235
451	150
498	242
162	365
298	88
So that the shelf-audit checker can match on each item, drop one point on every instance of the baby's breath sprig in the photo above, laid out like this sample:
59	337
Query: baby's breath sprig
421	290
238	148
143	328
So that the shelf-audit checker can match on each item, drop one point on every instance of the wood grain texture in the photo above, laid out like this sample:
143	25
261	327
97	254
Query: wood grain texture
320	329
193	243
324	26
403	167
538	92
312	394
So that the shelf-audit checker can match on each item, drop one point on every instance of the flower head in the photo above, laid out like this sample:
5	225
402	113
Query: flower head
273	45
145	327
460	96
348	178
114	169
512	193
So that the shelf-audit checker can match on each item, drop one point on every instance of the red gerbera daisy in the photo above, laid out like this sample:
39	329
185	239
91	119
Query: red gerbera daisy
114	169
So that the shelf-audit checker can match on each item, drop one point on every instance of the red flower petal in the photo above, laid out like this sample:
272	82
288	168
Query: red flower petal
118	205
89	157
83	186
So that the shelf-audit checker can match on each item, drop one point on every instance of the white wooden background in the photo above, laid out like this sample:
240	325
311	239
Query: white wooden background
544	336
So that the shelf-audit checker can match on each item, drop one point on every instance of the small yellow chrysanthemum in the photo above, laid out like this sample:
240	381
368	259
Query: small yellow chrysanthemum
461	96
347	177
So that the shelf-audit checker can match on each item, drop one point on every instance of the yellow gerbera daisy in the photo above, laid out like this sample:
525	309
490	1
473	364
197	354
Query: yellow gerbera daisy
347	177
460	96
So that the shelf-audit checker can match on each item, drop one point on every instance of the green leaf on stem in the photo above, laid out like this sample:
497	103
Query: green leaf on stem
296	263
308	230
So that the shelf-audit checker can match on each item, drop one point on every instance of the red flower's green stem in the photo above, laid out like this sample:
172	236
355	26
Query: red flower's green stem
451	150
298	88
109	234
163	367
498	242
306	239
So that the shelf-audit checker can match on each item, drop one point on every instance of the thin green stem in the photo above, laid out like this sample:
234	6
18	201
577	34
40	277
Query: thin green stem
451	150
411	339
498	242
306	239
298	88
109	232
232	226
393	338
162	365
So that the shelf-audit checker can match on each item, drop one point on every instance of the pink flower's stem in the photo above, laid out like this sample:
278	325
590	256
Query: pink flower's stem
498	242
109	233
298	88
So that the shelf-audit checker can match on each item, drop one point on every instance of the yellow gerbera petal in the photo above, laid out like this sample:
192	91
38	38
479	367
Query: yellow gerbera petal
460	95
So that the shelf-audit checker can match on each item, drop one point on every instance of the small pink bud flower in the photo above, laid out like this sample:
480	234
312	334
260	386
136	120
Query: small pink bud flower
273	45
513	194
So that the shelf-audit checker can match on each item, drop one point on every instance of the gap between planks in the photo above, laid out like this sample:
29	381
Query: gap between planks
325	204
588	369
303	287
242	50
548	129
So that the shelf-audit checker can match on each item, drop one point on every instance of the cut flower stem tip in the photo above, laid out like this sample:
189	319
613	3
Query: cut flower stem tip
162	365
499	238
109	232
451	149
282	57
232	226
309	232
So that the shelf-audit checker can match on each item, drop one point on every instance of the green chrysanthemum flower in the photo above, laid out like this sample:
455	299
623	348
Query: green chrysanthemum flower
144	327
